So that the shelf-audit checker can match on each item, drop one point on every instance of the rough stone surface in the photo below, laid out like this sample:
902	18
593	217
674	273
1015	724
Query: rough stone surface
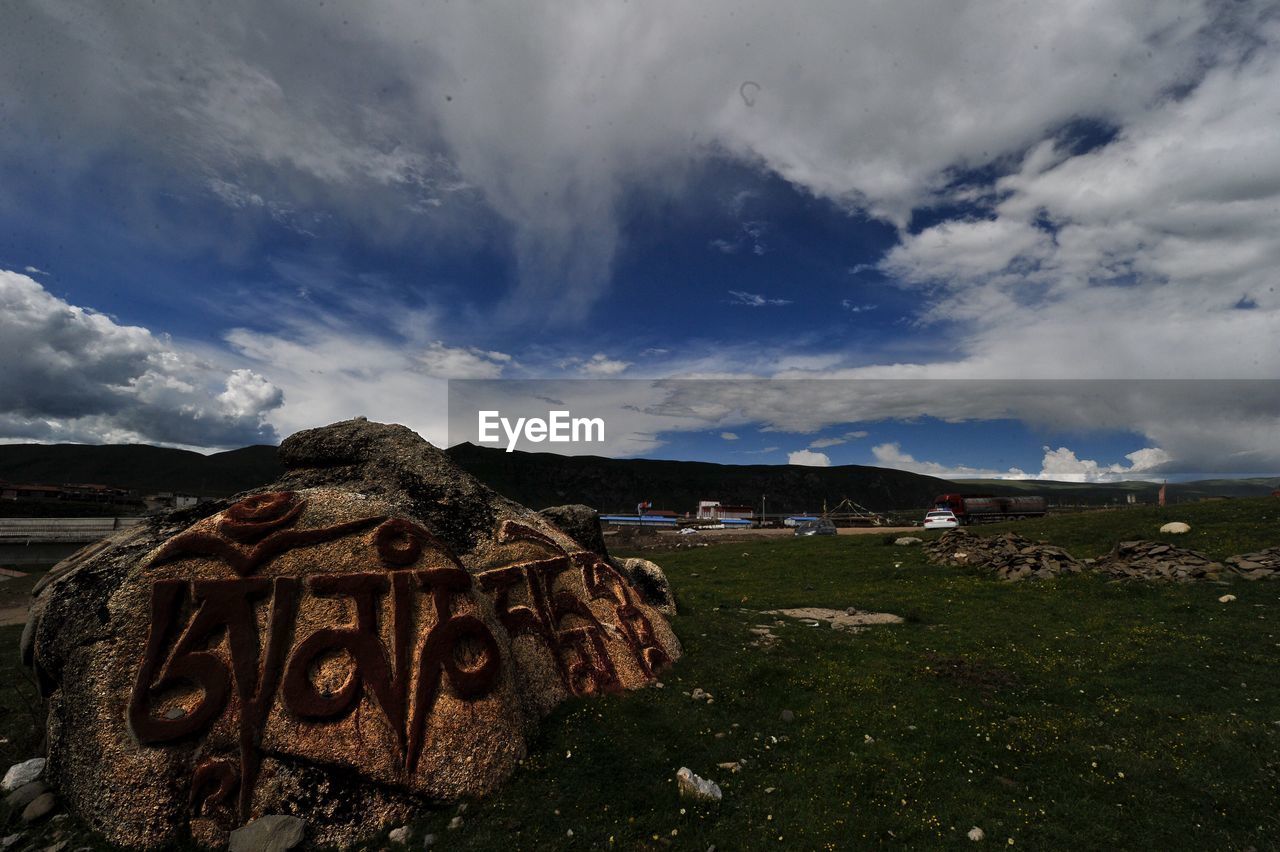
699	789
1263	565
1175	528
651	581
1008	556
25	795
1156	560
39	807
399	835
374	628
22	773
272	833
581	523
907	540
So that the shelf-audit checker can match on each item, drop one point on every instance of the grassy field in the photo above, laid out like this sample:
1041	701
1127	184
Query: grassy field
1068	714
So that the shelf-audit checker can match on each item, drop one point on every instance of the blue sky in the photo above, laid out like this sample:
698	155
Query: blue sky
214	233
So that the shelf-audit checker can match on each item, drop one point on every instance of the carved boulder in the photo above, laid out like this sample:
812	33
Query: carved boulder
373	630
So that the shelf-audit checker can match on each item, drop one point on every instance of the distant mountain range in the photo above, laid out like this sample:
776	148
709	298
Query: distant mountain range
139	467
610	485
616	485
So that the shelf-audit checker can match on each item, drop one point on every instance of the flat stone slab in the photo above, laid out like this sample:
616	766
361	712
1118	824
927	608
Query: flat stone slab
839	619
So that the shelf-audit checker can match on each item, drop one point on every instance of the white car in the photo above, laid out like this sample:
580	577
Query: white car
941	519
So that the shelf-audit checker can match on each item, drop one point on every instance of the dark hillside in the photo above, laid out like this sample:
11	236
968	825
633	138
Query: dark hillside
616	485
139	467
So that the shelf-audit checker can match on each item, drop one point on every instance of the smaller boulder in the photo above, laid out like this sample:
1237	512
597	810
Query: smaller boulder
400	835
25	795
39	808
22	773
650	580
580	523
1175	528
698	789
273	833
907	541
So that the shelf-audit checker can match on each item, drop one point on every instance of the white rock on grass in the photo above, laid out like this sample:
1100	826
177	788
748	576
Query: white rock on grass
1176	528
976	834
699	789
907	541
1226	599
22	773
399	835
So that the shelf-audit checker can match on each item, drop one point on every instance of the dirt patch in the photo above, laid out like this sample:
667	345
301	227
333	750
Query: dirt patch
11	615
970	673
839	619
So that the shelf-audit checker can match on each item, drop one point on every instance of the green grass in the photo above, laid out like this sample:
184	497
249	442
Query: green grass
1218	528
1069	714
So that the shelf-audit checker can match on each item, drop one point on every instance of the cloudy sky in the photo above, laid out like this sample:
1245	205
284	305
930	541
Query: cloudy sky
221	223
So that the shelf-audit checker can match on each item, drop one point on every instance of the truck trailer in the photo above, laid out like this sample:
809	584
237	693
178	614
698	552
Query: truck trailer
986	509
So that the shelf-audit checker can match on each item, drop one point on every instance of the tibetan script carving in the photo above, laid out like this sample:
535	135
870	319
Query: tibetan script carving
227	652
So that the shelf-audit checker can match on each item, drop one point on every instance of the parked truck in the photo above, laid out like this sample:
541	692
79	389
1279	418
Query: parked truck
984	508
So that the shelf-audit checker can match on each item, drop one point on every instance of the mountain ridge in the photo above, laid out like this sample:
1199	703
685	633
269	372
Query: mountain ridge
610	485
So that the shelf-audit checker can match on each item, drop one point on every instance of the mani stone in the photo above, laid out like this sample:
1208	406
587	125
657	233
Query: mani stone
582	524
374	630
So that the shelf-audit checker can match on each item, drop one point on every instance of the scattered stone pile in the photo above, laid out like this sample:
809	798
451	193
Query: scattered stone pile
1008	556
1155	560
1263	565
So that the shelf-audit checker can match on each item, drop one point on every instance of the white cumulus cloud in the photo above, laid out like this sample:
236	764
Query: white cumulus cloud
891	455
600	364
72	374
809	458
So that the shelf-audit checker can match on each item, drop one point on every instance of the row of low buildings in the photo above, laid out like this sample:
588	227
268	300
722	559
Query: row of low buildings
19	492
708	512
